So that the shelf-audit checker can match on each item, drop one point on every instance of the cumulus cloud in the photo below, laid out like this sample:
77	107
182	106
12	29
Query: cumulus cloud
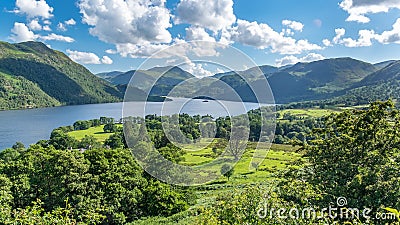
106	60
20	33
70	22
133	22
214	15
294	25
291	59
263	36
46	28
197	69
365	39
358	9
35	25
198	34
340	32
88	57
34	8
391	36
327	42
57	37
63	25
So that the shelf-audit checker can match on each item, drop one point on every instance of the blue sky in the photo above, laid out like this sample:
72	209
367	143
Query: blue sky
106	35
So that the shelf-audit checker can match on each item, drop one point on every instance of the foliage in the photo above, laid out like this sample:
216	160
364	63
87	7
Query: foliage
44	77
101	186
227	170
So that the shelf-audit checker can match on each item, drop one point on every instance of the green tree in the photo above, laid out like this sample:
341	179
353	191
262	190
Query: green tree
110	128
227	170
18	146
357	156
61	140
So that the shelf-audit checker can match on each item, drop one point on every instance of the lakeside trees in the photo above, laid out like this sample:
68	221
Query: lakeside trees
354	154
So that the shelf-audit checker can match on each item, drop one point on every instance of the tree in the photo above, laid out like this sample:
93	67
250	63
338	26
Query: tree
18	146
61	140
227	170
114	141
110	128
357	156
238	141
89	142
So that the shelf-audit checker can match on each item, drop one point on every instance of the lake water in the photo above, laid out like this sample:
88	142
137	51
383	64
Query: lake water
31	125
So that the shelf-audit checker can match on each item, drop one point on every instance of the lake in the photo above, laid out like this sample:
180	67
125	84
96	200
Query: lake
31	125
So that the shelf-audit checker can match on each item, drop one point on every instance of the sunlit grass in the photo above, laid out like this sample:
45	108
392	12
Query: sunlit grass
96	132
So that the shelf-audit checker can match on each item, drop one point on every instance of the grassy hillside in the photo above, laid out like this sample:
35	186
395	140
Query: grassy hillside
18	92
55	74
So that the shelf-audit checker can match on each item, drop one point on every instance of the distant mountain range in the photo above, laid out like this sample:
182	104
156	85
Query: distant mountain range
33	75
337	78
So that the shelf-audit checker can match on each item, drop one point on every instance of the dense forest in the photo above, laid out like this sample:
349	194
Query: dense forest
47	78
67	180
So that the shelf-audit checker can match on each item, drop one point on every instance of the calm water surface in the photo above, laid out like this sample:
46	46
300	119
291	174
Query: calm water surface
29	126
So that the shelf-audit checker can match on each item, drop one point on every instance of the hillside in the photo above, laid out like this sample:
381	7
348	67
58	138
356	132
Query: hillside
305	81
18	92
52	76
146	79
342	80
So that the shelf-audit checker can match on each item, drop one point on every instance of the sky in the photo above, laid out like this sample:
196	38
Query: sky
108	35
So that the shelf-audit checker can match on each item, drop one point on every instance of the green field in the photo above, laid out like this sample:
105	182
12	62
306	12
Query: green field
96	132
313	112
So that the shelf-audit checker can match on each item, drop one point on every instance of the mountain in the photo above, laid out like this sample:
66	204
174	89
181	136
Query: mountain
337	78
330	75
47	77
389	73
251	73
161	80
382	65
108	75
302	81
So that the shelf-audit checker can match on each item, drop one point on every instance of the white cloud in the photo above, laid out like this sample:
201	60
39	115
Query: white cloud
214	15
21	33
294	25
106	60
327	42
88	57
340	32
57	37
34	8
391	36
358	9
197	69
365	39
63	25
111	51
198	34
46	28
35	25
263	36
70	22
133	22
290	59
